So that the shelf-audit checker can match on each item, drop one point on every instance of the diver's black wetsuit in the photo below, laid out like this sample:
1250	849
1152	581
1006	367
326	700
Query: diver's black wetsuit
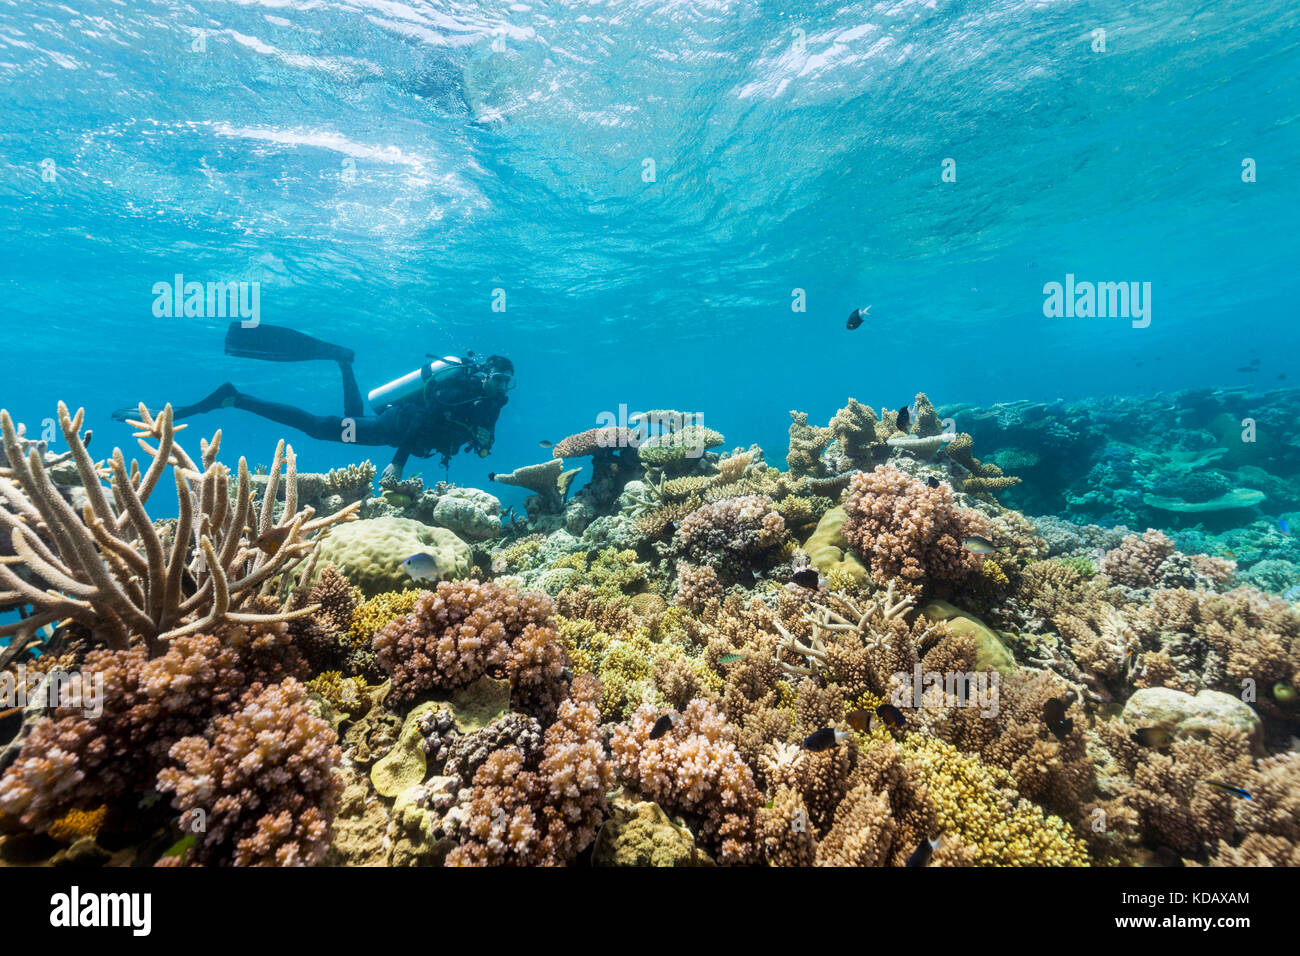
455	411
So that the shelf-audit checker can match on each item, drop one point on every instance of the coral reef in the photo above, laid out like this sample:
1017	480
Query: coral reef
696	659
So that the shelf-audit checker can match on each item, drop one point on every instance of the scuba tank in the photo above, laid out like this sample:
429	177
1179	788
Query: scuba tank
385	396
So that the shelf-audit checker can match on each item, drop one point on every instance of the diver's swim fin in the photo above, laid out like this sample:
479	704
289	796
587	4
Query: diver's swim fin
274	343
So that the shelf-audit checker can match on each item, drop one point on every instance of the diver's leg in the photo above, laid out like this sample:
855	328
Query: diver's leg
352	407
321	427
223	397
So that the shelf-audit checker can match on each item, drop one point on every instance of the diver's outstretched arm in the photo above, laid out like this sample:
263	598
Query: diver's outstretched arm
394	470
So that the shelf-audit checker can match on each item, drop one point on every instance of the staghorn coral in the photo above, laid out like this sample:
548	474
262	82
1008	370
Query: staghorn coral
693	769
264	779
979	805
541	817
1166	789
905	529
732	468
785	835
109	569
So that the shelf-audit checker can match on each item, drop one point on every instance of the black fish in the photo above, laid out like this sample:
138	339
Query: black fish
891	715
546	444
1054	717
1153	737
592	555
823	739
492	476
670	528
879	452
921	855
855	319
662	726
807	578
932	482
904	419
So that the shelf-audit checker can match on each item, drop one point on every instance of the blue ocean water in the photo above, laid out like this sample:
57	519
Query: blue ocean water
380	168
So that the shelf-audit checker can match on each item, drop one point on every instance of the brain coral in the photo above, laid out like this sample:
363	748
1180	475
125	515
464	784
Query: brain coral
903	528
370	552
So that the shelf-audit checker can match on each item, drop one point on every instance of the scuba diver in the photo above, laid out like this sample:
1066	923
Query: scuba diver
443	405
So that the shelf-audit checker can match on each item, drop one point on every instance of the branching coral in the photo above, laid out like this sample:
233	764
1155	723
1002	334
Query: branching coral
75	759
541	817
731	535
110	570
903	528
983	477
1136	562
260	785
459	631
695	769
807	444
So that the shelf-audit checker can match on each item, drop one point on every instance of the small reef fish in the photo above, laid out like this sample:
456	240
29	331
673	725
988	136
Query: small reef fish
856	317
879	452
904	419
271	542
859	720
932	482
891	715
977	545
421	567
662	726
1283	526
824	739
1229	788
924	850
1156	737
546	444
808	578
492	476
730	658
670	529
1054	717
